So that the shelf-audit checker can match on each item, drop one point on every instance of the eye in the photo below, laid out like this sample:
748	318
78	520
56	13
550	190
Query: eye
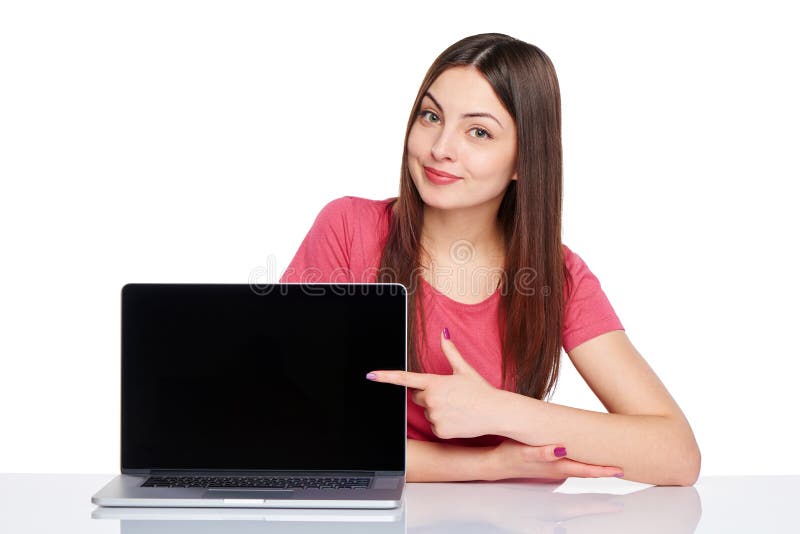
425	112
481	133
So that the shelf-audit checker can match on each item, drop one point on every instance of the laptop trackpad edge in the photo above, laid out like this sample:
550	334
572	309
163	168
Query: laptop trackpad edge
228	494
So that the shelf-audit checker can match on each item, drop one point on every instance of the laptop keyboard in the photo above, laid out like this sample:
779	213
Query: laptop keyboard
272	482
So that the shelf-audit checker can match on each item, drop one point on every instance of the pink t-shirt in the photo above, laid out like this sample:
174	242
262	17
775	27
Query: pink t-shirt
344	245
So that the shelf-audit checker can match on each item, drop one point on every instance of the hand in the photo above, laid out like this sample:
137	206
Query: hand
461	405
512	459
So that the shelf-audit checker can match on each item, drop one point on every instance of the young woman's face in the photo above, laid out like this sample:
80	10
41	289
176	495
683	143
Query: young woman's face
463	130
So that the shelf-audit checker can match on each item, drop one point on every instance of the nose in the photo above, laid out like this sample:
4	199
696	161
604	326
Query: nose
444	146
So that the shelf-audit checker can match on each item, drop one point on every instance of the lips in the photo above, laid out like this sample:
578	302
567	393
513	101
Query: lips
437	172
440	177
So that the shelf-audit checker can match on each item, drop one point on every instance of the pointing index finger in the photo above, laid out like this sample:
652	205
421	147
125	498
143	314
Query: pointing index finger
401	378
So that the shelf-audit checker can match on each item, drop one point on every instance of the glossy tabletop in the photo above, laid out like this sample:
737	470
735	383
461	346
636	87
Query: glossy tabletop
61	503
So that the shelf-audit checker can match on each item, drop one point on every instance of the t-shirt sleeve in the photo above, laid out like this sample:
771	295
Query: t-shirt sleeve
324	254
588	311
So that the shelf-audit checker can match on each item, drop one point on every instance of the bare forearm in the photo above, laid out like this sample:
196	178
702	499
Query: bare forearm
653	449
429	461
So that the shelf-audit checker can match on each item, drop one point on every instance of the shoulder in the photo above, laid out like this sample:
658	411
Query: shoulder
366	209
354	209
360	224
588	312
574	264
571	259
582	285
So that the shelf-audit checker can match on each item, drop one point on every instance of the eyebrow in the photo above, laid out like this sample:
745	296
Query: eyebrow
465	115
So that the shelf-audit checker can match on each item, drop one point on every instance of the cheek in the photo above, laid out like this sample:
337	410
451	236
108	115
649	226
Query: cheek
491	173
416	142
484	165
494	165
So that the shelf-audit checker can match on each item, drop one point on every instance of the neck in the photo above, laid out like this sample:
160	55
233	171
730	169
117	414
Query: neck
473	231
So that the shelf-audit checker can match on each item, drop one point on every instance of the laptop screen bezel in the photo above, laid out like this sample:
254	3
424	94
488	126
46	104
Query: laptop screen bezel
132	287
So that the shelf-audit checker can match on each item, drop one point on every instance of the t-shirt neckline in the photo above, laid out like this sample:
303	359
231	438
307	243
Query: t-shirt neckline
477	305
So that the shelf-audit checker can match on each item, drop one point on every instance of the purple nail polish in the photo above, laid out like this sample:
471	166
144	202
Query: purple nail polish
371	376
619	475
560	451
446	333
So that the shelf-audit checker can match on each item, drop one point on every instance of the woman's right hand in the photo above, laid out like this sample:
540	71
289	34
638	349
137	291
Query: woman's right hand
512	459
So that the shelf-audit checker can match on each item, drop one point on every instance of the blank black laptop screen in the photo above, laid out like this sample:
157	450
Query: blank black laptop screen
230	377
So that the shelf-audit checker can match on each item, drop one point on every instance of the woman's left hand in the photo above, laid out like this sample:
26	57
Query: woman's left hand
461	405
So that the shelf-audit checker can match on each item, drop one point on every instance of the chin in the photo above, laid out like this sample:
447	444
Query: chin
441	201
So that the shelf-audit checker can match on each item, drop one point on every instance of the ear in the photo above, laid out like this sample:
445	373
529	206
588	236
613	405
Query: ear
514	176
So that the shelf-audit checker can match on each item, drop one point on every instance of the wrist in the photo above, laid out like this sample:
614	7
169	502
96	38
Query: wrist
490	467
501	412
493	467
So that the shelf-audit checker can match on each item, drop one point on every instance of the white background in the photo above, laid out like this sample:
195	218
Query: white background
164	141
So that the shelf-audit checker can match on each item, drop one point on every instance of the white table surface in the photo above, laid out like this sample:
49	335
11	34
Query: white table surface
60	503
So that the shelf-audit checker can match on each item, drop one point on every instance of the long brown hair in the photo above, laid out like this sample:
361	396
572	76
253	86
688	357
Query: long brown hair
535	278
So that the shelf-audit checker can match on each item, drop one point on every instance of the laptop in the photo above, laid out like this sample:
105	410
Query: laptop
237	395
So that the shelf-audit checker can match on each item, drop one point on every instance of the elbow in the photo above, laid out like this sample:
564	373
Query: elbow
683	466
692	470
682	473
678	463
689	465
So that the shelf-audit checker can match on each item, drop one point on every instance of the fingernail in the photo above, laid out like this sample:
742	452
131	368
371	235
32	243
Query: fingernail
560	451
619	475
446	333
371	376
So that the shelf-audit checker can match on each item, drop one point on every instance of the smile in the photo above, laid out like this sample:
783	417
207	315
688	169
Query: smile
440	177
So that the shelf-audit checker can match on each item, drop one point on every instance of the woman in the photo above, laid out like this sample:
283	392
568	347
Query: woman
475	235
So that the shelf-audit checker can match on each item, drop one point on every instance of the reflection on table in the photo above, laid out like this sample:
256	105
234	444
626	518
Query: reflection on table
253	520
535	506
45	503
